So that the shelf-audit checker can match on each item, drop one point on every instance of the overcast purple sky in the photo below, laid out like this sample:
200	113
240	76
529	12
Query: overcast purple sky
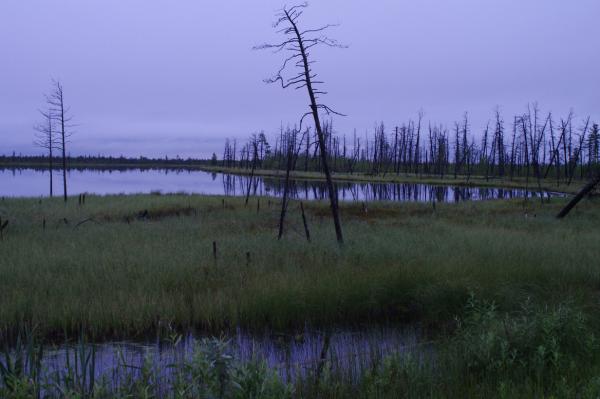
158	77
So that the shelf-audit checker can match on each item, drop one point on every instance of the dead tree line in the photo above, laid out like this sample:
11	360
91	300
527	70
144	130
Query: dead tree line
531	146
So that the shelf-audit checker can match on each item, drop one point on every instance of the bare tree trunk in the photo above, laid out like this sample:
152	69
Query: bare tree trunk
305	223
57	103
63	148
292	158
50	168
45	139
252	172
582	193
297	44
285	191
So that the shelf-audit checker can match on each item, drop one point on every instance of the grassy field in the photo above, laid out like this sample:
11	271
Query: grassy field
123	274
512	290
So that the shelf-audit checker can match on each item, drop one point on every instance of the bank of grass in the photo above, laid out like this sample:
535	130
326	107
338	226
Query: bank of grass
546	185
124	273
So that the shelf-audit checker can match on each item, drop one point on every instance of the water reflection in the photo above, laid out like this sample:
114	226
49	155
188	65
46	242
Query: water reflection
350	191
292	355
34	183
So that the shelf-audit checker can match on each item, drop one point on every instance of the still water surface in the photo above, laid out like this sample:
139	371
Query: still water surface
349	353
35	183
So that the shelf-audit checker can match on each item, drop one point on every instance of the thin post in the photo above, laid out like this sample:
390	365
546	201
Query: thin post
306	230
2	227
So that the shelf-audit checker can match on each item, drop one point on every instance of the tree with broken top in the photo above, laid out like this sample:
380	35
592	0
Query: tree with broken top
298	43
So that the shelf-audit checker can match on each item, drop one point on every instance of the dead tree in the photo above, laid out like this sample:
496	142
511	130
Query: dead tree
580	195
45	138
593	148
484	154
293	150
578	151
255	149
298	43
512	151
60	114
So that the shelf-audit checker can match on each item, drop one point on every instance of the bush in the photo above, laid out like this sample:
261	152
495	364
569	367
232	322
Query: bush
541	345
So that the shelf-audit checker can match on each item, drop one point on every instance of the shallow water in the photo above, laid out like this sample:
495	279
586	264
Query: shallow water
292	356
35	183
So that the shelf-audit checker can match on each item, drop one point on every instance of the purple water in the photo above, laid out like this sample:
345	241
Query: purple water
35	183
292	356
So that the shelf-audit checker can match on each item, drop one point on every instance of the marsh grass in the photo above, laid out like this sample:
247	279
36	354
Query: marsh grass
536	351
127	275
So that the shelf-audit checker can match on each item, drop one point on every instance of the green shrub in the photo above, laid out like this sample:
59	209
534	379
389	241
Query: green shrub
539	344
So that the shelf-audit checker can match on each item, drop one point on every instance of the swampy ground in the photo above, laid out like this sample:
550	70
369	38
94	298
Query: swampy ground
509	293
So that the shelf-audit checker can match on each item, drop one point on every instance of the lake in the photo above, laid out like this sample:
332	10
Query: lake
35	183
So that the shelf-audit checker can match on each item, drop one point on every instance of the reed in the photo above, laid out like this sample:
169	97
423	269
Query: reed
547	351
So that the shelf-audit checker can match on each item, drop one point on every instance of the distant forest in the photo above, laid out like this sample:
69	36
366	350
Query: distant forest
84	162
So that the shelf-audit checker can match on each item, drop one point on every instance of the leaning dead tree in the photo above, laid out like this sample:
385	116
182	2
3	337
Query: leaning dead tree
60	114
588	188
298	43
46	139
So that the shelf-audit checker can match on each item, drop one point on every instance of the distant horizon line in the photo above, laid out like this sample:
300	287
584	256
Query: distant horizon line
87	156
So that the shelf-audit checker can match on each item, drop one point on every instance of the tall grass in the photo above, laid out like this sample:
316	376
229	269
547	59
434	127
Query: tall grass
532	352
119	274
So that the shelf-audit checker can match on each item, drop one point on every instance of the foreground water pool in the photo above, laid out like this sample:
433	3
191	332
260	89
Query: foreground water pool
347	354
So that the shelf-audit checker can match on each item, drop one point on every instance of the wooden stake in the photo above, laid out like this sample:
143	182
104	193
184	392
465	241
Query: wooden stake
306	231
2	227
